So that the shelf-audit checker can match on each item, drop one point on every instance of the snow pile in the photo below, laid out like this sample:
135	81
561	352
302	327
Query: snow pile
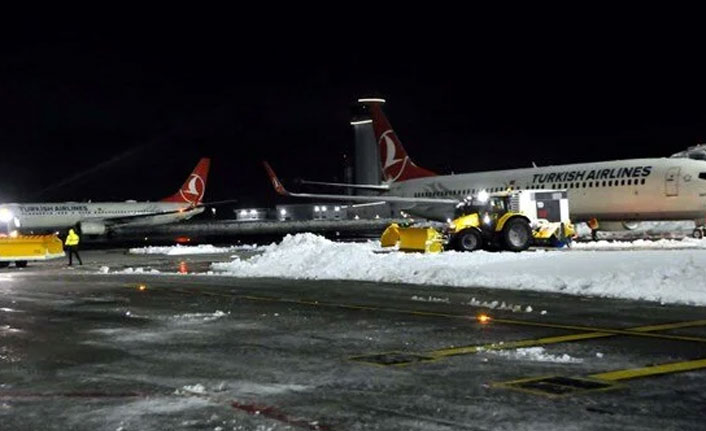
205	317
430	299
537	354
660	244
191	389
675	276
493	305
178	250
131	270
666	229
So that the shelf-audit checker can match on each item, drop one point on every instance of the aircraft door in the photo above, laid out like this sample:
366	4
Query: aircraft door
671	182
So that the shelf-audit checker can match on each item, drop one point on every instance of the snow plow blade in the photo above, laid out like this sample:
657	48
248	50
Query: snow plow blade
391	236
30	247
413	239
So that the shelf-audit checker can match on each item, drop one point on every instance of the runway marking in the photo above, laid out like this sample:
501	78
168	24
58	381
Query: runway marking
641	331
557	386
652	370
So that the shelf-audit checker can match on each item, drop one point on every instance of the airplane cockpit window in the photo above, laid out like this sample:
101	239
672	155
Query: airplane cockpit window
697	152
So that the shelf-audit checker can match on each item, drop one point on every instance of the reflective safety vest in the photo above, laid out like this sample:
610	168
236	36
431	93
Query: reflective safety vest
72	238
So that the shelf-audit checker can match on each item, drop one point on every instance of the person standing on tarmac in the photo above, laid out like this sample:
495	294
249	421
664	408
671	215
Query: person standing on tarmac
71	243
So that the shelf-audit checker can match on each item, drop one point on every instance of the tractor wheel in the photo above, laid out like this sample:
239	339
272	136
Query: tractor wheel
468	240
21	263
4	264
517	234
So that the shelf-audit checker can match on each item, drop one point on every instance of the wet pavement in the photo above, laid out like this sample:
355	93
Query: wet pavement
84	350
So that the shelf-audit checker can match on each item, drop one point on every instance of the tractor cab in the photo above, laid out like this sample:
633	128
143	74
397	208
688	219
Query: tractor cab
488	208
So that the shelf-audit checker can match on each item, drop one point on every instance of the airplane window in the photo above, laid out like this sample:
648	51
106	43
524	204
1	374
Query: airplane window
622	182
643	181
629	182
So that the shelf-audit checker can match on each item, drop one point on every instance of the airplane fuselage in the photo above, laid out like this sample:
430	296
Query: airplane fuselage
62	215
623	190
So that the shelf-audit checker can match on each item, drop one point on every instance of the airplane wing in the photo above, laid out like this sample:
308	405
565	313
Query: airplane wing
119	220
279	188
377	187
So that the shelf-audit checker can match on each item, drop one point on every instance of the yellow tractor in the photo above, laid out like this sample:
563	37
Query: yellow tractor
513	221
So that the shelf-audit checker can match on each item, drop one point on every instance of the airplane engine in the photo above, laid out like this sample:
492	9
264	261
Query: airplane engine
616	226
92	228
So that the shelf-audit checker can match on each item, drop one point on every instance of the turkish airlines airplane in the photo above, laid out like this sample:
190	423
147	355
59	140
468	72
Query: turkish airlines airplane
611	195
95	218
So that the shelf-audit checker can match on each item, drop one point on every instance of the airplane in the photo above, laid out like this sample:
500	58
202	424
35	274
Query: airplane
608	195
98	218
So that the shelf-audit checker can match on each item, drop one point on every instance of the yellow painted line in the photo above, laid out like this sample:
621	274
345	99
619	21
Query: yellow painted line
468	350
654	370
641	331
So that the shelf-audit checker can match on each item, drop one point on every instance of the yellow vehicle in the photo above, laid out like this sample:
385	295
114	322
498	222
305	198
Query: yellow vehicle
24	248
512	221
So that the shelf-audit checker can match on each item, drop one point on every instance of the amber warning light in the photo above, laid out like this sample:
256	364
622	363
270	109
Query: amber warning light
483	319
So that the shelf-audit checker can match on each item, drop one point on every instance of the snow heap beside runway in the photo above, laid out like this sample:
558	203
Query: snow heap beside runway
669	276
178	250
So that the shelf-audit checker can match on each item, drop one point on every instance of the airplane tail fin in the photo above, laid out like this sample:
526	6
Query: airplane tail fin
194	187
396	163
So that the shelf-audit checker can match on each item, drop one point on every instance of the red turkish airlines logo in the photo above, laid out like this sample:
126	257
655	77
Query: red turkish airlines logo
193	189
391	166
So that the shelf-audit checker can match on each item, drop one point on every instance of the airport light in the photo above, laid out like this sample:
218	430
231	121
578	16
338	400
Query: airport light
486	219
337	208
317	209
283	212
243	213
483	319
323	208
483	196
253	212
360	122
6	215
371	100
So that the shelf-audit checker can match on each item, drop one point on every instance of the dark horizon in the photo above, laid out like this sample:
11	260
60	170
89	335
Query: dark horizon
144	107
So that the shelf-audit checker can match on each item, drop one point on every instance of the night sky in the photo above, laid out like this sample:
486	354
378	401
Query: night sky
115	115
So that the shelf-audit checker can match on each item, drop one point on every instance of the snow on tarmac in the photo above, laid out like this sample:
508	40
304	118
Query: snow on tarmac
536	354
663	275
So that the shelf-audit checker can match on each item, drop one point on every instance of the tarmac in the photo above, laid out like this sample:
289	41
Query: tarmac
85	350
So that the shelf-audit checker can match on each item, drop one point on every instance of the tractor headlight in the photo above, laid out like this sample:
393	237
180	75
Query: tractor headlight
6	215
486	219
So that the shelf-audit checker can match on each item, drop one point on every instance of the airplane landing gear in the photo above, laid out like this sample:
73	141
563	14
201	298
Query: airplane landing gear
699	232
594	234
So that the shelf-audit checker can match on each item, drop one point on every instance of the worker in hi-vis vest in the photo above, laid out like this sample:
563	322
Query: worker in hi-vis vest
71	245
